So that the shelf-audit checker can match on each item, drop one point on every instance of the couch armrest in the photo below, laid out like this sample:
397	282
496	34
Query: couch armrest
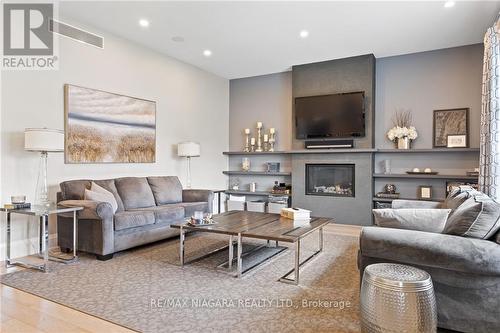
197	196
455	253
399	203
91	209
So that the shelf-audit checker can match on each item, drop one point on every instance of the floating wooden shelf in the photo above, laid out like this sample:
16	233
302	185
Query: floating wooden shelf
256	173
303	151
424	176
431	150
258	193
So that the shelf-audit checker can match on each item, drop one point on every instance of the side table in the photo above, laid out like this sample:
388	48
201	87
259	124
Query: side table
42	213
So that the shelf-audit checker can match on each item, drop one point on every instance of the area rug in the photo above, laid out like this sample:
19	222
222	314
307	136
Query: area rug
144	289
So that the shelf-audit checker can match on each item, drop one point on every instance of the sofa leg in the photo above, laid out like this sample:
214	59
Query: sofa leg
104	257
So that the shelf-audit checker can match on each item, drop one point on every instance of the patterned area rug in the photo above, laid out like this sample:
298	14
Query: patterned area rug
144	289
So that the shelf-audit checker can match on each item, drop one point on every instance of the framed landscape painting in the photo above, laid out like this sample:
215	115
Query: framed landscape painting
103	127
450	122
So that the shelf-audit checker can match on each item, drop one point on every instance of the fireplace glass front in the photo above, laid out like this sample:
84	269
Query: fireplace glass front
330	180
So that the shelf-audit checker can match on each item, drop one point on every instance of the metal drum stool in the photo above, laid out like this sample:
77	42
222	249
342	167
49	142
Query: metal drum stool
397	298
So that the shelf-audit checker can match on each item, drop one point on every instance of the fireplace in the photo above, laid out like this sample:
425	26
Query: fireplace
330	180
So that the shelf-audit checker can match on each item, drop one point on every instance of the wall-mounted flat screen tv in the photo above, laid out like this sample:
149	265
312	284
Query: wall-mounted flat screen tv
330	116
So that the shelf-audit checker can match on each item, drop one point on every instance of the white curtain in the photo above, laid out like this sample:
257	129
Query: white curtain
489	162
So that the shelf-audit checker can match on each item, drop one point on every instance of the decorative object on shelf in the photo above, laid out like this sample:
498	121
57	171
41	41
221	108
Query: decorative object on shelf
387	195
259	137
456	141
386	166
428	170
235	184
252	187
390	188
416	171
474	173
450	122
281	188
453	185
266	142
43	140
252	145
245	164
424	192
273	166
402	134
272	138
103	127
18	199
247	140
188	149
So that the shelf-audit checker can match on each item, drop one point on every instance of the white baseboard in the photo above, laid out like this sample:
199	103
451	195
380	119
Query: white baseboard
23	247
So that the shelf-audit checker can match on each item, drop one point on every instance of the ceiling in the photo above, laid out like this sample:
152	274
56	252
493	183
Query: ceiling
256	38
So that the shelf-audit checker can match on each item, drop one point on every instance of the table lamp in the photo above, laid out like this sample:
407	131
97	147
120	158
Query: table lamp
188	149
43	140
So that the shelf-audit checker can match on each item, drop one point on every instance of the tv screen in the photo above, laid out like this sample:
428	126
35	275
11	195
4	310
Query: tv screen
330	116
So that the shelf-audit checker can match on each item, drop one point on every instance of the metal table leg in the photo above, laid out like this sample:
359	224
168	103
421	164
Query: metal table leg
239	261
75	235
230	259
7	261
181	247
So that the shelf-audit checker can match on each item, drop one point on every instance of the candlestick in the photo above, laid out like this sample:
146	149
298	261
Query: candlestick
272	130
272	140
252	144
266	138
247	139
259	124
259	138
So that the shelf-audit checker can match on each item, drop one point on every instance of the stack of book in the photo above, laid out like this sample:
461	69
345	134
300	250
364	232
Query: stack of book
299	216
387	195
13	206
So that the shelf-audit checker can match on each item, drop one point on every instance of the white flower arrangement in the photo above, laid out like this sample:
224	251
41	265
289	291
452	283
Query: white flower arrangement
401	132
402	129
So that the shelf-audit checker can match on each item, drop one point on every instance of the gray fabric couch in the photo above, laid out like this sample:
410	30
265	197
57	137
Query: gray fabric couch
147	206
465	270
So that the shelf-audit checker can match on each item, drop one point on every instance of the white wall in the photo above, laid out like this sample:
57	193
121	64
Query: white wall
192	104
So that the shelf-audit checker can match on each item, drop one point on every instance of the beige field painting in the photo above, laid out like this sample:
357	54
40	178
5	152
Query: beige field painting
103	127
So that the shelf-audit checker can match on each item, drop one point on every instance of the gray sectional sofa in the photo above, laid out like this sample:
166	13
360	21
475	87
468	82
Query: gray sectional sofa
462	257
147	206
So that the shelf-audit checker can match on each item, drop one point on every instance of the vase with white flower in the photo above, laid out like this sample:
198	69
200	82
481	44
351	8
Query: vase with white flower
402	134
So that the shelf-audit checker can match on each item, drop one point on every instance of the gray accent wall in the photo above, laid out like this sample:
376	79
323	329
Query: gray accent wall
333	77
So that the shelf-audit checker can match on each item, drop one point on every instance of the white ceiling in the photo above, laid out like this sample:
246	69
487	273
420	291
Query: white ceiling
255	38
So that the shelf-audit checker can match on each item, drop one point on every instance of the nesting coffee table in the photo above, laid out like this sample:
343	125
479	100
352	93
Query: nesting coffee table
264	226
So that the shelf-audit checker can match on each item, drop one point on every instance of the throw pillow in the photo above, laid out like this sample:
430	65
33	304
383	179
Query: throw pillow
421	219
98	193
477	217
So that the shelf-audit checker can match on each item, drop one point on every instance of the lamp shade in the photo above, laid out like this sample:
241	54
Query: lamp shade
43	139
188	149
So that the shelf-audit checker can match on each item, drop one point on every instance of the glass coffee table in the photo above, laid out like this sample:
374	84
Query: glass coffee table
238	225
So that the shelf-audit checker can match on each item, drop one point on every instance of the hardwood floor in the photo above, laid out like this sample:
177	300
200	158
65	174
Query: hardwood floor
25	313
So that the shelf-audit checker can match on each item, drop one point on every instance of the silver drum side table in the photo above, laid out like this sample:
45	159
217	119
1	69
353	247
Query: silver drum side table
397	298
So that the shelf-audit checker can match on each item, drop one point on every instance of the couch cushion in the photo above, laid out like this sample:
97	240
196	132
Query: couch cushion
191	207
132	219
422	219
166	213
109	184
74	189
135	192
101	197
166	189
477	217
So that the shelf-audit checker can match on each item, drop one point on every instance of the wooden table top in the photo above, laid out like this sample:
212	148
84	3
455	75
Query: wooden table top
259	225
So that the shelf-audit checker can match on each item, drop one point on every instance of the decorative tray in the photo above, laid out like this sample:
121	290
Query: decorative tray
422	173
204	223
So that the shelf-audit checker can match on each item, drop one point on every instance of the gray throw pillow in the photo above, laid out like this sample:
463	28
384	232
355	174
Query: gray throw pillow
102	197
477	217
421	219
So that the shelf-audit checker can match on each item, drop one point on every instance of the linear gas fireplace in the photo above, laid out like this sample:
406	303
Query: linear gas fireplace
330	180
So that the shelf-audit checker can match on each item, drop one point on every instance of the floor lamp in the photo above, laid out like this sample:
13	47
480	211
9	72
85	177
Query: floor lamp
43	140
188	150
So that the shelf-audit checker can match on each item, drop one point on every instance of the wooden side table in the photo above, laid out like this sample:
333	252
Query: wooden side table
42	213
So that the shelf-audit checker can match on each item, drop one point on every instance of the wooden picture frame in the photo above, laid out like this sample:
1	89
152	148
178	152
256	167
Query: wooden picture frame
449	122
425	192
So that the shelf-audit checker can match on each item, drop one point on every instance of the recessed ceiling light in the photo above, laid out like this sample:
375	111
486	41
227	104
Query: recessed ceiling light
304	34
178	39
144	23
449	4
207	53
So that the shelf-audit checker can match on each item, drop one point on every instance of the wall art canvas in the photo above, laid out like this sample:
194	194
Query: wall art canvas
103	127
449	122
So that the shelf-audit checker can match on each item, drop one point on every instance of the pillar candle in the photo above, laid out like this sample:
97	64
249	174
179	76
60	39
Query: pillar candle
271	130
259	125
247	130
266	138
252	141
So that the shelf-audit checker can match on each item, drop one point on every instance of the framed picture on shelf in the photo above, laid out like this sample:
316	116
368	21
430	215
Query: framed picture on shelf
425	192
456	141
447	122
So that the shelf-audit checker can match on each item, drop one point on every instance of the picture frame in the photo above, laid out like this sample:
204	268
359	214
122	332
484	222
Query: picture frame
449	122
425	192
106	127
456	141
